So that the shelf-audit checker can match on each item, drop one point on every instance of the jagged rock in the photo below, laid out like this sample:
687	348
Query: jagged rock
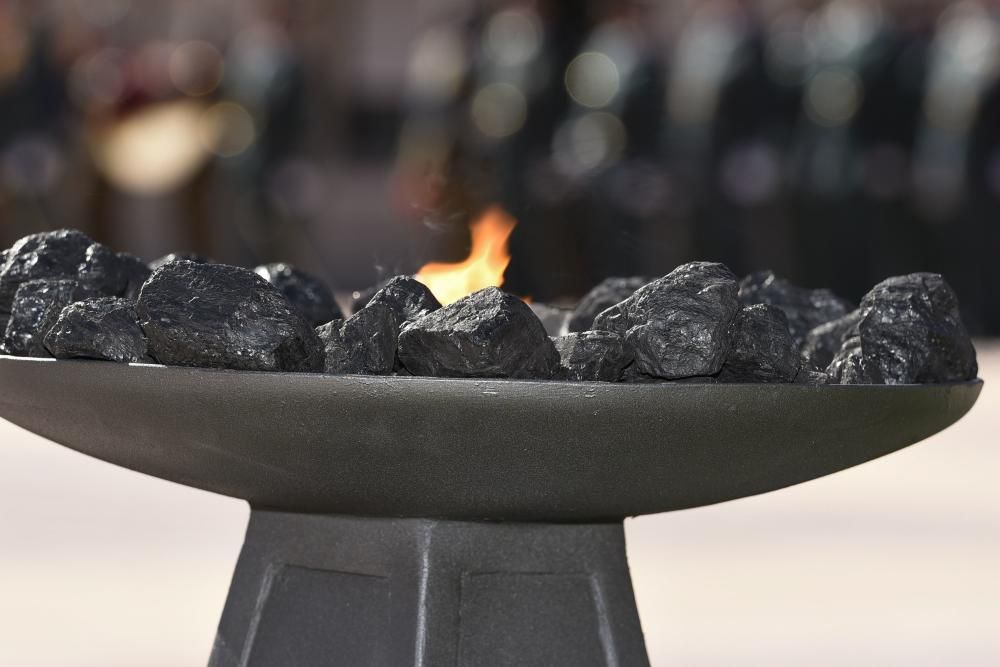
113	273
486	334
304	291
679	325
105	328
592	355
910	332
805	309
761	348
407	299
607	293
363	345
219	316
554	319
52	255
36	308
175	256
822	343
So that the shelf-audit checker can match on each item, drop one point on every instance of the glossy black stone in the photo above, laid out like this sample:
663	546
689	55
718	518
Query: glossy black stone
113	273
592	355
679	325
219	316
55	254
174	256
487	334
910	332
363	345
805	308
607	293
304	291
105	328
761	348
36	308
822	343
407	299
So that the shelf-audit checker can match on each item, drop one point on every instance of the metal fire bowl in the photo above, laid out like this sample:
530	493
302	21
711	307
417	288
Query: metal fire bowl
466	449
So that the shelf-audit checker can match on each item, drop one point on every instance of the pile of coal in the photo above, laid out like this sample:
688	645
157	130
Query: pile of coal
761	347
607	293
63	295
805	309
174	256
36	307
592	355
487	334
219	316
678	326
105	328
306	292
363	345
908	330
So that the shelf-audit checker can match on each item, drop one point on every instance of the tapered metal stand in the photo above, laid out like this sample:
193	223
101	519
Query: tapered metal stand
336	590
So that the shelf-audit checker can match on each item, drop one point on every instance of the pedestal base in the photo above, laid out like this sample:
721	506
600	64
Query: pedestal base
334	590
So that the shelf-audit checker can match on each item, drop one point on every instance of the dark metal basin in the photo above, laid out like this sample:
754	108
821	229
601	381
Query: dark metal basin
461	449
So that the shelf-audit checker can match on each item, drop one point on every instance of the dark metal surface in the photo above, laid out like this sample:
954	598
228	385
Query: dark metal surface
334	590
471	449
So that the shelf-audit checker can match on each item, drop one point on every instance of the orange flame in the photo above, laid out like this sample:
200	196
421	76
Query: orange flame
484	267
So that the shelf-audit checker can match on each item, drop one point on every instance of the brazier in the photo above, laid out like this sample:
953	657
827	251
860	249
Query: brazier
423	521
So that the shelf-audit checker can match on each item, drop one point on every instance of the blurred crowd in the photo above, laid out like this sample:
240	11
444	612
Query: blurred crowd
836	142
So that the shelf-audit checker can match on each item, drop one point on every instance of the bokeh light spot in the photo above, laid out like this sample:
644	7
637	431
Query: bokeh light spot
499	110
592	79
196	68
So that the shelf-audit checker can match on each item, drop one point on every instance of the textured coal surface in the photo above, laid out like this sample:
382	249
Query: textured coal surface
910	331
809	376
36	308
822	343
679	325
219	316
607	293
363	345
174	256
761	348
592	355
113	273
805	309
360	298
486	334
407	299
304	291
55	254
105	328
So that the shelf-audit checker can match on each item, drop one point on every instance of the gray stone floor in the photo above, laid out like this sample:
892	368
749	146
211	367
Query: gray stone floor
896	562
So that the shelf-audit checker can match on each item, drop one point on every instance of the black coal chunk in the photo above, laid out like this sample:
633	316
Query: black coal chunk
592	355
805	308
363	345
361	298
607	293
554	319
822	343
36	308
910	332
762	349
407	299
105	328
219	316
679	325
175	256
304	291
55	254
486	334
113	273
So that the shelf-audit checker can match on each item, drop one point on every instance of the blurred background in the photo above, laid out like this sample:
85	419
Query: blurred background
837	142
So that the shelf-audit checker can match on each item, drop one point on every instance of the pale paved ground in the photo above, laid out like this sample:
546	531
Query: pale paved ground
896	562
